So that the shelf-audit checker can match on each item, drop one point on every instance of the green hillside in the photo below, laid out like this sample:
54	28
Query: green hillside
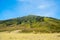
31	23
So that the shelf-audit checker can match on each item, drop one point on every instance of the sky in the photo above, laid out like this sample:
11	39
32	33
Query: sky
18	8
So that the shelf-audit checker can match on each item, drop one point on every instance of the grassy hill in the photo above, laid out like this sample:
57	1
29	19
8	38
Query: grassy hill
31	23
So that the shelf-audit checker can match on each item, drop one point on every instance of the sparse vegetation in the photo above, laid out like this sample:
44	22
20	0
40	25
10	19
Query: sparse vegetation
29	36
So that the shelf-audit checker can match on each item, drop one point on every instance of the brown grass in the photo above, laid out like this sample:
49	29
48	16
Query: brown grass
29	36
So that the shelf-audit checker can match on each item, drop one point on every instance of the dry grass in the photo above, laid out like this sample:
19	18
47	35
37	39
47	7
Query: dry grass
29	36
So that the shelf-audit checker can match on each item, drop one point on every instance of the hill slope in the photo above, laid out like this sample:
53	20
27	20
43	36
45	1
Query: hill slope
31	23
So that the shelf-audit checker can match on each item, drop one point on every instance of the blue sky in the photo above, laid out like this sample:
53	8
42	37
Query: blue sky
17	8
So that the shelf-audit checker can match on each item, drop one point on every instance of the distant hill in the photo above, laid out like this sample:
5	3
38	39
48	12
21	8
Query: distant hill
31	23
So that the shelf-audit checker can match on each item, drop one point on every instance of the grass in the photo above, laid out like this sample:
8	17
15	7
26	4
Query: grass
29	36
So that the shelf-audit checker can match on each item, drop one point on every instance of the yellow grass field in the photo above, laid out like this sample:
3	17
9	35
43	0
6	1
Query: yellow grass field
29	36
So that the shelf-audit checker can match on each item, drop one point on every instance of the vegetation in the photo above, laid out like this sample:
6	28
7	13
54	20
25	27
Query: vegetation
31	23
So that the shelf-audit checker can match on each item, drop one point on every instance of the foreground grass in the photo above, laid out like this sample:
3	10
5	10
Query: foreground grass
29	36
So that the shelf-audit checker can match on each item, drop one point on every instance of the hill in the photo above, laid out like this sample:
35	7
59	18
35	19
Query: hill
31	23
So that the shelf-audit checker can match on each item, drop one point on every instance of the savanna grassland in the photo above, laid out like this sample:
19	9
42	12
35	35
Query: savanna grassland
29	36
30	27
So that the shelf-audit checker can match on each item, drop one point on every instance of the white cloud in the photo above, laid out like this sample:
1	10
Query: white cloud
44	7
47	9
20	0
